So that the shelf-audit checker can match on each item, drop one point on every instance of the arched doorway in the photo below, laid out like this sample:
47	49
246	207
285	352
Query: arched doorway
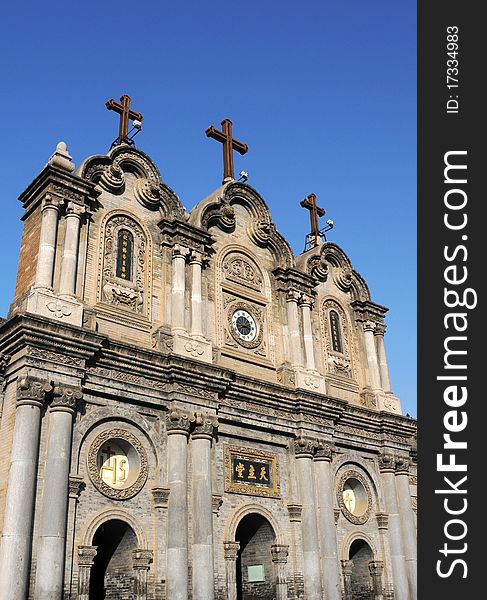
361	584
256	571
112	574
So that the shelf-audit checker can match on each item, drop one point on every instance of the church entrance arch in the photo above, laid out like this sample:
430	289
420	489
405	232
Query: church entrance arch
360	572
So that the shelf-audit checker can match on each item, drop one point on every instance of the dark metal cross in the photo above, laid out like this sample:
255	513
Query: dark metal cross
126	114
314	212
229	145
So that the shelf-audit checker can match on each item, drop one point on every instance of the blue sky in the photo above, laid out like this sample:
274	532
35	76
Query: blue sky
324	94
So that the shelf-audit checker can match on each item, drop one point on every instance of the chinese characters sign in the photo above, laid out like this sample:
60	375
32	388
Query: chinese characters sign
250	472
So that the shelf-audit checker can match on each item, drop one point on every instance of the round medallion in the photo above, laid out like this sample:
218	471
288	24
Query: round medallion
117	464
244	325
354	497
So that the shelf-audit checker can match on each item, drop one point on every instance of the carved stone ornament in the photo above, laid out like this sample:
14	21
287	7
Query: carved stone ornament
141	559
76	485
386	462
129	294
304	447
112	179
318	268
323	451
135	464
294	511
65	398
204	425
241	270
86	555
160	496
279	553
179	421
221	214
382	520
31	390
337	363
231	550
402	465
354	497
216	502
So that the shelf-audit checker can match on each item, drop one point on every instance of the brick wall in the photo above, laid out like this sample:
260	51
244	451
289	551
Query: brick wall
29	249
257	551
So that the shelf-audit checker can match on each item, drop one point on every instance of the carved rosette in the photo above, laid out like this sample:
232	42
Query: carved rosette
260	230
115	290
304	447
337	363
360	518
112	179
65	398
205	426
179	421
142	469
342	277
318	268
31	390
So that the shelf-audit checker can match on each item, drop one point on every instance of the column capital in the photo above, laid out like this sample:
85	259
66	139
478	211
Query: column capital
347	567
382	520
380	329
32	390
179	251
50	201
387	462
76	484
376	567
141	559
279	553
160	495
323	451
402	465
179	421
306	301
369	325
231	550
304	448
295	511
198	258
86	555
65	398
73	209
205	425
292	296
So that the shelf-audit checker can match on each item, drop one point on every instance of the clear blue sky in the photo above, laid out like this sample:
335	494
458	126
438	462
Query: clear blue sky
323	92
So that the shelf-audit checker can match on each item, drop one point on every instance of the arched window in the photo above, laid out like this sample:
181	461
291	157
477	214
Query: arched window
336	335
125	252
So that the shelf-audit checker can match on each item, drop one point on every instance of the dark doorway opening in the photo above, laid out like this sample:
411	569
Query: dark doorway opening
256	577
361	554
112	575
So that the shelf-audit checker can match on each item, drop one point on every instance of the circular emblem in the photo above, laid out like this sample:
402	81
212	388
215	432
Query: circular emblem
244	325
117	464
354	497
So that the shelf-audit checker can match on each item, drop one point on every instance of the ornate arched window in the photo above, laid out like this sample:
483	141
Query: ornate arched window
335	332
125	254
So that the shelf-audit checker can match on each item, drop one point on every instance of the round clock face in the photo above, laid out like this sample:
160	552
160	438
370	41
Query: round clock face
244	325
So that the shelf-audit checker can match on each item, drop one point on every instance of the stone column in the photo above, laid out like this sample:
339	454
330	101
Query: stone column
203	580
407	522
178	286
178	424
347	568
379	332
54	510
196	265
311	551
16	543
279	553
141	560
401	587
373	365
86	556
293	327
76	485
47	245
325	488
305	304
376	568
231	554
69	264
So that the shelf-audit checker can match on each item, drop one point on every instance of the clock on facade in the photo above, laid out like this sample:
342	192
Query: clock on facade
244	325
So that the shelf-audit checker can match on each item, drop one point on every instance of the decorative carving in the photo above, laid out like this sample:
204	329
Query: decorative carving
221	214
31	390
338	363
60	309
76	485
116	290
279	553
194	348
65	398
216	502
336	513
55	357
413	480
240	270
414	503
134	485
343	278
294	511
317	267
160	496
205	424
141	559
323	451
260	230
304	447
196	391
382	520
387	462
402	465
363	516
231	550
380	329
112	179
127	377
86	555
179	421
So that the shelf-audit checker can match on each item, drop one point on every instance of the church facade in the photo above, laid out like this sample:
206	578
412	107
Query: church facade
188	409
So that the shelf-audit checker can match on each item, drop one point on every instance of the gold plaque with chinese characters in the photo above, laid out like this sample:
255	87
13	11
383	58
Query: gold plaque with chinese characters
249	471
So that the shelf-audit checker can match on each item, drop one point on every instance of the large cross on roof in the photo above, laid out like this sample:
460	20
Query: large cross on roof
315	211
126	115
229	145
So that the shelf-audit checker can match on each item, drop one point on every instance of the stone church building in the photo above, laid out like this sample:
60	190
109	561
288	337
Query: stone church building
187	409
